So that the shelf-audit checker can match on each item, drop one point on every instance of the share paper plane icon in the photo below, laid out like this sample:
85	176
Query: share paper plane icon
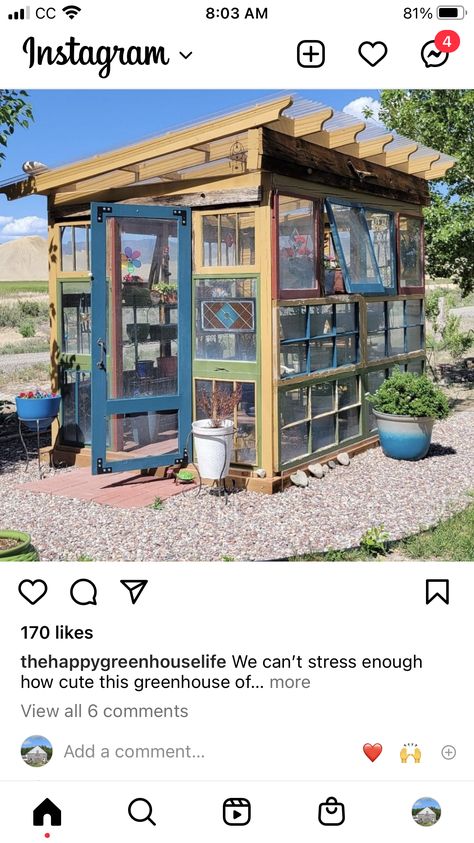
135	588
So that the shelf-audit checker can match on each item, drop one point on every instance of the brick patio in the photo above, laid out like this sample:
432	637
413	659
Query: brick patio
127	490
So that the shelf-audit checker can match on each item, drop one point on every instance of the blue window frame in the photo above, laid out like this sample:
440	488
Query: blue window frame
364	239
318	337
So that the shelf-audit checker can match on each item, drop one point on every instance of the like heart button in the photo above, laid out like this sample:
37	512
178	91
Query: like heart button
373	52
372	751
33	590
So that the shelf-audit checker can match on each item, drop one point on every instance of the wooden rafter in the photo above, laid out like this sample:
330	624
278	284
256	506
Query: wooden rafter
173	142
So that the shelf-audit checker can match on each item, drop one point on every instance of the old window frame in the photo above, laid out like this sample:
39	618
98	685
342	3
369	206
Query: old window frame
280	292
411	289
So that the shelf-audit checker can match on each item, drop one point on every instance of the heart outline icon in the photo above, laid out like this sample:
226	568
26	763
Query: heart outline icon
377	51
33	583
372	751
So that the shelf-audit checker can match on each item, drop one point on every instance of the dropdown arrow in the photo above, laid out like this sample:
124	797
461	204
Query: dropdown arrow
185	55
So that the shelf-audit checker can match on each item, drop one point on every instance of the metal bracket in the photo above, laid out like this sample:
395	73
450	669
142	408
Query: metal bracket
101	210
179	212
100	467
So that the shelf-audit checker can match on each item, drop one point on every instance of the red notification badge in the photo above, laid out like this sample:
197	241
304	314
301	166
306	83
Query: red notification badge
447	41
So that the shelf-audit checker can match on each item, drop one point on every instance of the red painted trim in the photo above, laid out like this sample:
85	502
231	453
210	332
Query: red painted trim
402	288
312	292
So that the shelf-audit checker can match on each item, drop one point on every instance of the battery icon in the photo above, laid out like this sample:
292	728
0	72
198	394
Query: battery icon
451	12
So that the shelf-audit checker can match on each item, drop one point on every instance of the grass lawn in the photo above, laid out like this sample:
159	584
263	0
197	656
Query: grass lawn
9	288
33	375
451	540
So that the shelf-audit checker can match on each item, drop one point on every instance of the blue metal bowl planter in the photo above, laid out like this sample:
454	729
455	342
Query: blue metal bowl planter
37	412
406	407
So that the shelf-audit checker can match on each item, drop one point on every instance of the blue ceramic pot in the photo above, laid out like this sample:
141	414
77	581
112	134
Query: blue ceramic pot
44	409
404	437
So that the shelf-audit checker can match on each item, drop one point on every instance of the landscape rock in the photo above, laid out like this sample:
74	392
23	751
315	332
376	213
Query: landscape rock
325	469
316	469
299	479
343	459
332	464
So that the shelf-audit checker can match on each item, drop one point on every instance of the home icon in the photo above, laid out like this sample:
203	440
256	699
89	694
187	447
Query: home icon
47	808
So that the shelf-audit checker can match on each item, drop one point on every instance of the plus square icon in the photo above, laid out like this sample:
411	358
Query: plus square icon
311	54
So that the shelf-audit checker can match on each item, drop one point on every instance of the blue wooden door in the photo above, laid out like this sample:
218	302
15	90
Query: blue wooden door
141	336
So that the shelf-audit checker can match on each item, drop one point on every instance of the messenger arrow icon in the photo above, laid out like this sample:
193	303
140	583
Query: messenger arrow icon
135	588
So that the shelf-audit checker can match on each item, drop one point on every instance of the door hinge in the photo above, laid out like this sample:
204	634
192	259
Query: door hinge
101	210
100	467
180	212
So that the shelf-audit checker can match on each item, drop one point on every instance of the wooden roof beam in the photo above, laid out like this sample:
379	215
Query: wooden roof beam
215	129
297	126
418	161
363	147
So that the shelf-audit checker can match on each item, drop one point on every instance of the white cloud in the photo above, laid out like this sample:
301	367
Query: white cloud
22	227
357	107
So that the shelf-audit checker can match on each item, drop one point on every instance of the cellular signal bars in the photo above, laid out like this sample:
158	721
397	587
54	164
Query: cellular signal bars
22	14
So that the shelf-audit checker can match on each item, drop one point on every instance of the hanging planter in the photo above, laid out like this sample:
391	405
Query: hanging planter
406	407
37	408
16	547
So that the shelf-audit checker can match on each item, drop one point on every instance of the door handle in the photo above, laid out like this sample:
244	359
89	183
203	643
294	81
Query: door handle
101	363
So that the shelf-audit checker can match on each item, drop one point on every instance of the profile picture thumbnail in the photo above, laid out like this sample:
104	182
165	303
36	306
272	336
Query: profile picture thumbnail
36	751
426	811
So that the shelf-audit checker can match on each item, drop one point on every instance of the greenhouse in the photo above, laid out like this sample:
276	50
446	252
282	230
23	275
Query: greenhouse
277	249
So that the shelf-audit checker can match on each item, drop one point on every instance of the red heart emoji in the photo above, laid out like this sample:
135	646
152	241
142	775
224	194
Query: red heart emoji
372	751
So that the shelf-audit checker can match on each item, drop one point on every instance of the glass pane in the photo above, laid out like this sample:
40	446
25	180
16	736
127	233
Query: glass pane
380	228
376	346
321	320
143	434
349	424
414	339
246	231
294	442
348	392
297	264
414	311
374	380
293	359
293	405
416	366
375	316
245	440
67	255
76	318
228	239
321	355
345	318
323	431
355	244
292	323
76	408
322	398
225	319
411	264
346	350
81	247
210	252
396	341
142	342
396	317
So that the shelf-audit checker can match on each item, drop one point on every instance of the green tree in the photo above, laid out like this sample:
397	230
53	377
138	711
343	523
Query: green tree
443	120
15	111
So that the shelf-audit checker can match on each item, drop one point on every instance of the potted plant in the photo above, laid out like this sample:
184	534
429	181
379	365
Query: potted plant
333	282
406	406
37	405
167	293
214	435
16	547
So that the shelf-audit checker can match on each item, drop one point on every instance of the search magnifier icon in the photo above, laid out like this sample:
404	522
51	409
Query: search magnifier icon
140	811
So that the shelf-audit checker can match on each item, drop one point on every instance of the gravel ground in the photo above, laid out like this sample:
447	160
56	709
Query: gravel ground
330	513
11	362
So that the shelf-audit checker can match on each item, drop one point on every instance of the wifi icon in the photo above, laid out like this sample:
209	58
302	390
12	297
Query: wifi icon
71	11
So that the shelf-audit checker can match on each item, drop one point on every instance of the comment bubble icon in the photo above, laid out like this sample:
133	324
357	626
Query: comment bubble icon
84	593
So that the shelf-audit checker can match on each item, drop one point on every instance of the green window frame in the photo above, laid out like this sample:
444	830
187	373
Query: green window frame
318	337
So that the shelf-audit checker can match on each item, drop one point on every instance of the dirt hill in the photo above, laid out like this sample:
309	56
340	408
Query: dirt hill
24	259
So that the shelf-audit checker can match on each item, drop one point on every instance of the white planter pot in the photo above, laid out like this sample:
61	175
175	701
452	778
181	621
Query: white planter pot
213	448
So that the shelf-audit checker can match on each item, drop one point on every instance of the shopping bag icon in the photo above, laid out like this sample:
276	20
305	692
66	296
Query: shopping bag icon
331	812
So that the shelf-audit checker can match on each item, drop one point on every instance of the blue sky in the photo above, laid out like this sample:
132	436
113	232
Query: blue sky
70	125
36	740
